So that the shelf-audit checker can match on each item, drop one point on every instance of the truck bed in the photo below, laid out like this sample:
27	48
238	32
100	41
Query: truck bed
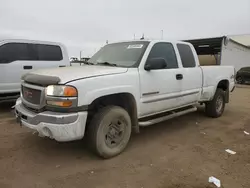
212	75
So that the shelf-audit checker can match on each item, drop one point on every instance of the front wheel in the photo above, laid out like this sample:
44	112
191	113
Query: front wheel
109	131
239	80
215	107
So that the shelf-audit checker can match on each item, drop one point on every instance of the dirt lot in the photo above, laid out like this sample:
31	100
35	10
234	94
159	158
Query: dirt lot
181	153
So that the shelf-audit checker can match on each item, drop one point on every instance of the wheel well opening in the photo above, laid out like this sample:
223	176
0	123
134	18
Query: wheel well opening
223	84
124	100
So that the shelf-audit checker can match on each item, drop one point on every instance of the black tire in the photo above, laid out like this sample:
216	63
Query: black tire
240	80
215	107
107	123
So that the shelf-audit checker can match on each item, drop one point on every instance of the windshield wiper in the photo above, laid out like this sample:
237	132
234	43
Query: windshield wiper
107	63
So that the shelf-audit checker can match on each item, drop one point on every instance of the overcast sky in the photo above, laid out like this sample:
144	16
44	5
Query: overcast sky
86	24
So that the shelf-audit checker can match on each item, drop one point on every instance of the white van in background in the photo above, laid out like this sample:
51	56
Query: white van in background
18	57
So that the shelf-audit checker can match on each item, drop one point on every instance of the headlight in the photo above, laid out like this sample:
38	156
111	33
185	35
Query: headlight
61	91
61	96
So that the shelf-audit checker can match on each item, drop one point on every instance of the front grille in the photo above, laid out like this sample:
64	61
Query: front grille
31	95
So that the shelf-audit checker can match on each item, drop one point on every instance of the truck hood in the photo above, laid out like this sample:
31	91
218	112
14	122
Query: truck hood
66	74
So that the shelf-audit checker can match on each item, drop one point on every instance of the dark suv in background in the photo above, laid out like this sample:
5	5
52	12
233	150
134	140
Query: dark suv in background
243	75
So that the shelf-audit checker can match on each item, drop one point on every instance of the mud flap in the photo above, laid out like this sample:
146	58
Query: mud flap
227	95
136	129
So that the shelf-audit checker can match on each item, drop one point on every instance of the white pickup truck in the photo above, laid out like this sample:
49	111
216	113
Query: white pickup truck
124	86
20	56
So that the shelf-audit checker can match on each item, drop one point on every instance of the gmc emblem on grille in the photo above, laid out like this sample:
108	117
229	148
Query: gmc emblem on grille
28	94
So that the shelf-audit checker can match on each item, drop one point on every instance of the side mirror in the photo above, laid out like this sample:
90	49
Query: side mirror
155	63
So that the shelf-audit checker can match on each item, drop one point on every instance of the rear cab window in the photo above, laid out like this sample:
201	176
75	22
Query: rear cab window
187	56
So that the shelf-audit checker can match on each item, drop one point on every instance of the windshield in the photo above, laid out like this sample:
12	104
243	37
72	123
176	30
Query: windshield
124	54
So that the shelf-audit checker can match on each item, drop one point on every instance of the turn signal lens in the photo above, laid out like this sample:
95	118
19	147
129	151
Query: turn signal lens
70	91
60	103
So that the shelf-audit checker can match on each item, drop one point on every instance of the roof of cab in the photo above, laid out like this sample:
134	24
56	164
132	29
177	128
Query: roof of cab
152	40
10	39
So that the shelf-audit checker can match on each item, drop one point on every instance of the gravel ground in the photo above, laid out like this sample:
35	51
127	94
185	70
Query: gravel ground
180	153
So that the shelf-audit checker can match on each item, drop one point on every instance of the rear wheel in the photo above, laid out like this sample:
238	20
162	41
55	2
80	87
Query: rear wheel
215	107
109	131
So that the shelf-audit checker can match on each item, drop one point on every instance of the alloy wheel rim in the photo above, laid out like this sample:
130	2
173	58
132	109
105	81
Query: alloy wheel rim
219	104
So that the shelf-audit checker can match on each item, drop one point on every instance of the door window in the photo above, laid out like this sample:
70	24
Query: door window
16	51
49	52
165	51
29	52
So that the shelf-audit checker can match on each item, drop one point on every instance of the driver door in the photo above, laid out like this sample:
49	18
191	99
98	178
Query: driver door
160	88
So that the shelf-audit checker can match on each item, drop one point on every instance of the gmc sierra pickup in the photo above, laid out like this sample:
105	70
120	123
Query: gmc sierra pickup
125	85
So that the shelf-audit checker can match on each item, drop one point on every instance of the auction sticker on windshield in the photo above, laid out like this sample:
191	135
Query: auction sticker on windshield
135	46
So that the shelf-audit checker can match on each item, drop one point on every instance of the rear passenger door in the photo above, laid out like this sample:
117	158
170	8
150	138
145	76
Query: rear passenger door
48	56
192	75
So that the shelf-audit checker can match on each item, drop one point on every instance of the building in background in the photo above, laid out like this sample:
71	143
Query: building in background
242	39
224	50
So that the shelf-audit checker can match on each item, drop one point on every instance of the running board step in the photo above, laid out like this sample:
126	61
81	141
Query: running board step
164	118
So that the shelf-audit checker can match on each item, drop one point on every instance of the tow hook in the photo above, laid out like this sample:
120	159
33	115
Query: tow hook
18	120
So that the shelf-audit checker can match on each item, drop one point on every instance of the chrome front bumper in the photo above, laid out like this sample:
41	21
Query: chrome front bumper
59	126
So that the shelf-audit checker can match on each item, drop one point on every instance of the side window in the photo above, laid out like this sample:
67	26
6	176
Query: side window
243	69
165	51
49	52
16	51
187	57
248	69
